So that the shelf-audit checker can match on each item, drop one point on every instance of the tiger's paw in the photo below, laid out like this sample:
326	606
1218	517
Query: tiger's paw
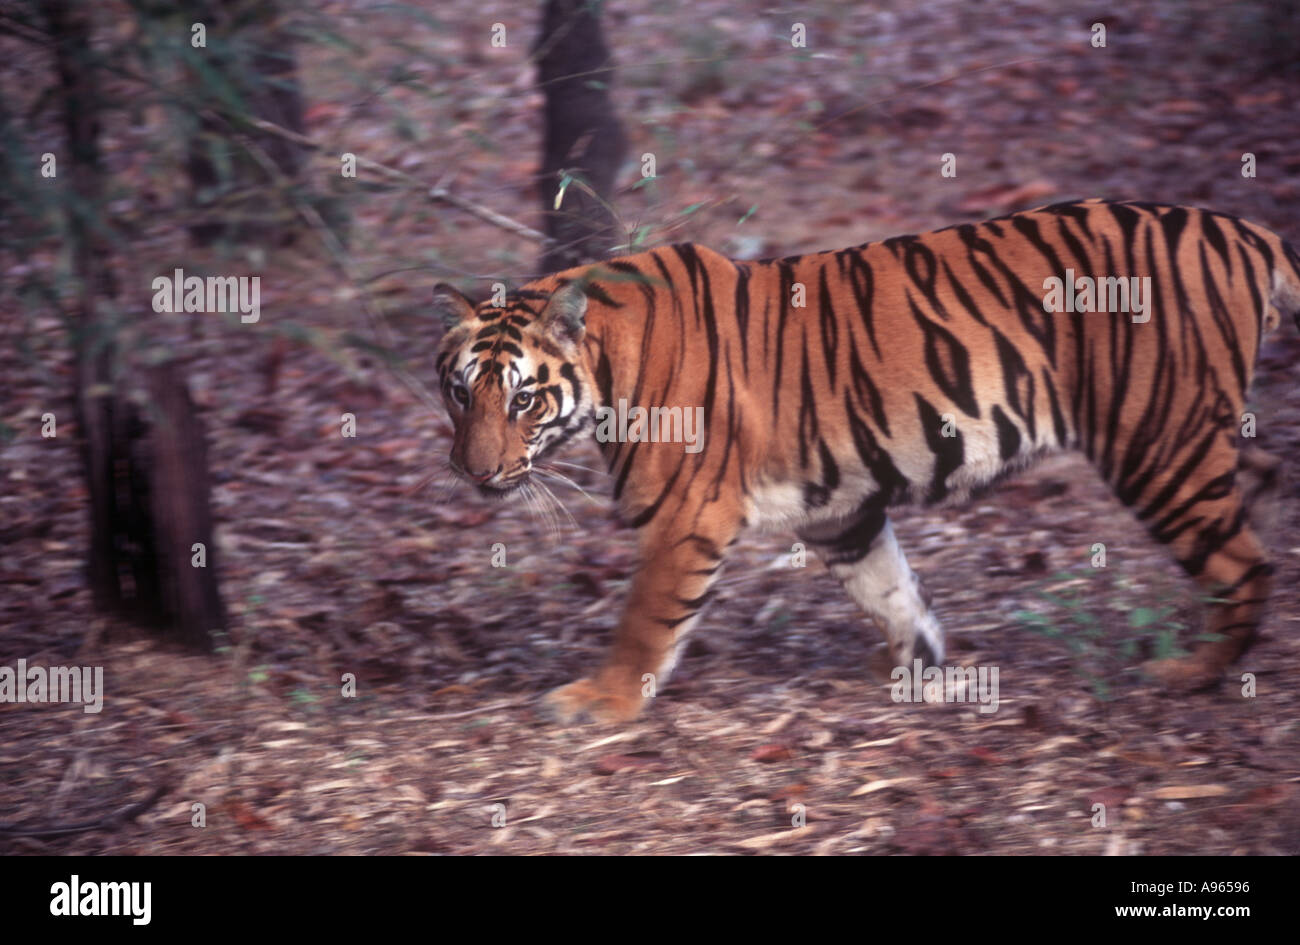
1188	674
589	701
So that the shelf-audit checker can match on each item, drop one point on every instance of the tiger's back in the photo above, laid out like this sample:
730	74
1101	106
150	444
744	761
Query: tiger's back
836	385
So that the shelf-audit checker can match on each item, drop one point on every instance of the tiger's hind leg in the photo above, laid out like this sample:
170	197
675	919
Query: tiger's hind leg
866	558
1201	516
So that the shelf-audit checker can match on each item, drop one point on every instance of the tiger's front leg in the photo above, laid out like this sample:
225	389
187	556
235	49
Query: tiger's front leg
670	587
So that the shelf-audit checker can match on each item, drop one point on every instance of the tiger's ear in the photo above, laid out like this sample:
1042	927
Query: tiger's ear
564	317
450	306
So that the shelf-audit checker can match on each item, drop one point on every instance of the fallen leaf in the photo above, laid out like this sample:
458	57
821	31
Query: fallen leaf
770	753
767	840
881	784
1177	792
611	764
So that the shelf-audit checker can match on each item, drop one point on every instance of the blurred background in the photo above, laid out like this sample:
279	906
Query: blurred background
351	155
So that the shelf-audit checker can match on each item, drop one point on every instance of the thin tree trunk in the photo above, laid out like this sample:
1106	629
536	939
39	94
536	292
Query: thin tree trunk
146	476
583	135
70	25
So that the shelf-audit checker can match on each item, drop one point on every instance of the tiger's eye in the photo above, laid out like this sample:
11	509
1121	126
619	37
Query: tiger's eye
523	400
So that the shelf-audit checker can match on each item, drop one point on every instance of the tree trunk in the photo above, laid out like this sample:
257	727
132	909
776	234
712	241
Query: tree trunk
179	515
583	135
146	476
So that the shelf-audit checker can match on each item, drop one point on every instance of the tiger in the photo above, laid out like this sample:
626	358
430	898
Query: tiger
839	385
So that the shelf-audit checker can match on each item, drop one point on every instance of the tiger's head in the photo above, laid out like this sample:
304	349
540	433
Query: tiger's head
514	381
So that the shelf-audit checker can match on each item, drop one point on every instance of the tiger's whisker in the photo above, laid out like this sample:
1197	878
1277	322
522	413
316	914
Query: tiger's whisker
558	504
553	505
560	462
547	471
526	492
423	483
541	508
448	485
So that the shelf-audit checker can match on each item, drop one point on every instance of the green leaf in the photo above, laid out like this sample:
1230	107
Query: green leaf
559	194
1166	644
1142	617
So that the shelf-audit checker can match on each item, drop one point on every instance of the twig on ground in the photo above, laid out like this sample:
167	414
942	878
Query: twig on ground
112	821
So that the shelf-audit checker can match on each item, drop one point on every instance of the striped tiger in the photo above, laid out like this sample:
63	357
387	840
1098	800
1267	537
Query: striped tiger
837	385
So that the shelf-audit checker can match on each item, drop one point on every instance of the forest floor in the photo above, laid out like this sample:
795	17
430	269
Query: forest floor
331	562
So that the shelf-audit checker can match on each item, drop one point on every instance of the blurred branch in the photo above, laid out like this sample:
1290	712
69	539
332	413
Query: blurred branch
434	193
311	216
11	27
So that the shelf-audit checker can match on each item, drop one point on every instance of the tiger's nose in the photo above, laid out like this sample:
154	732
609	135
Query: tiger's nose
482	476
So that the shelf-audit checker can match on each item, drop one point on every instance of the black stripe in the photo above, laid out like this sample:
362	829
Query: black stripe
829	326
1058	418
868	395
854	543
1214	236
742	313
891	484
1008	434
948	362
949	451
